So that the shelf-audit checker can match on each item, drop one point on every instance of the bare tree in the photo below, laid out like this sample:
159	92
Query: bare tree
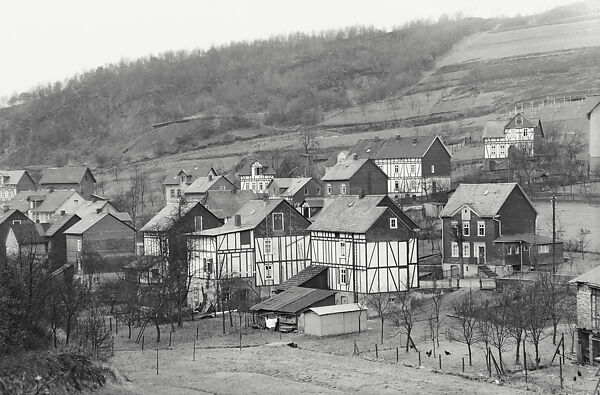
404	315
535	313
436	298
515	317
499	323
464	312
382	304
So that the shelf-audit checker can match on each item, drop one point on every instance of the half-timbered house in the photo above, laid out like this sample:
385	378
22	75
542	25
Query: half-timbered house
266	243
518	132
414	166
369	245
177	181
294	190
257	173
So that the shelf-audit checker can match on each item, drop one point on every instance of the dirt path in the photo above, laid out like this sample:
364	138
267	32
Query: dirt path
273	369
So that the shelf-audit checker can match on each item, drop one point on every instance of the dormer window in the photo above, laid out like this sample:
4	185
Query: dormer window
519	121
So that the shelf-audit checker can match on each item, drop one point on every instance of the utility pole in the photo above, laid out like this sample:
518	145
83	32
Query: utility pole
553	233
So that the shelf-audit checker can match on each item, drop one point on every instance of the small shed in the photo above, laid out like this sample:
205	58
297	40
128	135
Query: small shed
335	320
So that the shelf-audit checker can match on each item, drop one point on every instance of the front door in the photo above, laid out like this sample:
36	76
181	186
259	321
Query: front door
480	255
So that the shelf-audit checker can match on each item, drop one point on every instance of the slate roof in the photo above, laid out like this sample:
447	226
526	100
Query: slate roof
293	300
394	148
90	207
29	233
172	175
53	200
224	204
337	308
57	221
64	175
163	220
485	199
493	129
86	223
293	185
13	176
50	201
591	277
203	184
122	216
4	215
305	275
252	213
344	170
528	238
20	200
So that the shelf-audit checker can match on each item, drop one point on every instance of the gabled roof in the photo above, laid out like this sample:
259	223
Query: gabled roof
4	215
172	176
21	200
50	201
86	223
57	221
591	277
224	204
13	176
494	129
269	166
29	233
293	300
122	216
53	200
344	170
91	207
252	213
292	185
167	216
395	148
305	275
485	199
352	214
203	184
64	175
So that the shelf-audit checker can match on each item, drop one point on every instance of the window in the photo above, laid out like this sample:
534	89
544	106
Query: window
305	191
268	272
208	265
222	187
480	228
413	185
393	223
396	169
466	229
544	249
79	245
198	223
277	221
329	189
342	249
253	186
524	132
396	186
412	169
466	250
260	186
525	248
343	189
245	238
454	249
432	169
519	121
268	247
318	191
595	308
343	276
16	222
179	193
502	151
493	149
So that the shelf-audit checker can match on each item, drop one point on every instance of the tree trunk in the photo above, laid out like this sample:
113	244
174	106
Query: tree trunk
500	359
470	355
129	327
518	355
382	319
537	354
68	331
157	329
54	336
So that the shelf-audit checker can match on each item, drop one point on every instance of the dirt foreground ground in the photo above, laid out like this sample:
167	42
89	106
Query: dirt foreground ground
277	368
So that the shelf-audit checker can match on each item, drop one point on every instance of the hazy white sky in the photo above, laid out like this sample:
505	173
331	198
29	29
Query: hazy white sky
44	41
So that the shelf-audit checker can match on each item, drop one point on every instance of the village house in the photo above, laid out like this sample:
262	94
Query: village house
177	181
519	132
42	204
417	166
100	244
56	238
9	217
266	243
13	182
294	190
588	316
490	229
369	245
77	178
163	234
25	242
256	173
354	176
224	204
200	187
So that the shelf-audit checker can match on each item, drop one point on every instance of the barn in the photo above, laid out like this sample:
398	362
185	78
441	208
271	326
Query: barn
335	320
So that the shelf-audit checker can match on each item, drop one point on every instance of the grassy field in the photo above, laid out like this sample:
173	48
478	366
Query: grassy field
571	217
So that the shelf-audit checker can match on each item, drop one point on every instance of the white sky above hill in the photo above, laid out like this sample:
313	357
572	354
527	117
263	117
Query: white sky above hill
44	41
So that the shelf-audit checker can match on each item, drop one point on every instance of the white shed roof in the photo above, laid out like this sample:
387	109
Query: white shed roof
337	308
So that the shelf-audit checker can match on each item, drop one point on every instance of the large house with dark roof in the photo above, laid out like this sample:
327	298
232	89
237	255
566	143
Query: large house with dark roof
368	244
354	176
202	185
519	132
25	242
224	204
177	181
9	217
77	178
40	205
12	182
294	190
414	166
257	173
490	229
266	243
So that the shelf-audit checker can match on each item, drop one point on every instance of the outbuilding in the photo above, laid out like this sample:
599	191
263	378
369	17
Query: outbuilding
338	319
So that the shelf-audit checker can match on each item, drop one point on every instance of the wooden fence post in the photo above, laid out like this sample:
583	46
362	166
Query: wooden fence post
170	333
463	364
525	360
396	354
376	352
440	358
419	358
197	331
110	322
142	342
560	363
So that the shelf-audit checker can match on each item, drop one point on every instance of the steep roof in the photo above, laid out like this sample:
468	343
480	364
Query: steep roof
13	176
91	207
493	129
165	218
252	213
4	215
64	175
591	277
86	223
53	200
203	184
172	175
305	275
293	185
224	204
57	221
293	300
344	170
269	166
21	200
366	148
394	148
29	233
485	199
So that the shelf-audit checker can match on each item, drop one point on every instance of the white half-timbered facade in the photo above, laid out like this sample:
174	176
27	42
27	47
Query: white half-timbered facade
518	132
368	244
266	243
256	175
414	167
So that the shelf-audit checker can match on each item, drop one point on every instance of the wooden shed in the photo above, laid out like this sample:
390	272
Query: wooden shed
338	319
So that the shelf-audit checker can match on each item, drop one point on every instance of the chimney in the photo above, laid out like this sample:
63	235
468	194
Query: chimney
414	141
398	137
62	212
354	156
98	210
238	220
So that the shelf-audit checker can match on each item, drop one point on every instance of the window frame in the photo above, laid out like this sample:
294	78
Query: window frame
343	276
274	215
466	250
393	223
455	251
466	228
343	189
481	228
432	169
268	271
329	190
268	246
